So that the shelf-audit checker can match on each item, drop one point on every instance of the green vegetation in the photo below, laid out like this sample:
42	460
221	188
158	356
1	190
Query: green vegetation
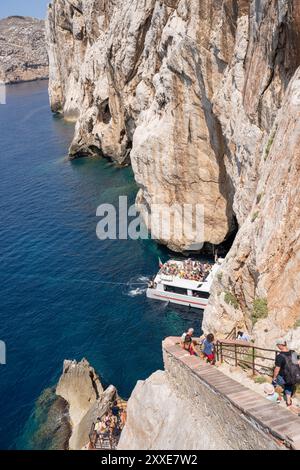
270	143
230	299
254	216
219	276
258	198
297	323
260	310
260	379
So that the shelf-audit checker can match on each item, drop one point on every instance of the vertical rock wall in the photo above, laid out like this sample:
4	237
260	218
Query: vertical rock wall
202	97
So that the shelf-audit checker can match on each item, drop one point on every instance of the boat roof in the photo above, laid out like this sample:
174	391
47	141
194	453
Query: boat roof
177	281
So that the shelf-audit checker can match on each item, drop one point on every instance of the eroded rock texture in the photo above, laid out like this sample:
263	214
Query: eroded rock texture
177	413
80	386
140	76
23	53
203	99
259	286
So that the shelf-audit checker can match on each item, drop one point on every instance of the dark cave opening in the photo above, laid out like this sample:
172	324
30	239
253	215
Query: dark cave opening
105	111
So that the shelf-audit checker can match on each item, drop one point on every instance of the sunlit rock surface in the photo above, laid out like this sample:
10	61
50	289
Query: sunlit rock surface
23	53
202	98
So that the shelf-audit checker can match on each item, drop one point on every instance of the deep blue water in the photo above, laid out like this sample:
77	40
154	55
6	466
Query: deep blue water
54	304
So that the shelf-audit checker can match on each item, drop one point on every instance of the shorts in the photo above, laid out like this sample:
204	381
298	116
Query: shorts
210	357
288	388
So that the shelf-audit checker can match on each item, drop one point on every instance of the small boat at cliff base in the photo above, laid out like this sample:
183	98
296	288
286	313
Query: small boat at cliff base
185	282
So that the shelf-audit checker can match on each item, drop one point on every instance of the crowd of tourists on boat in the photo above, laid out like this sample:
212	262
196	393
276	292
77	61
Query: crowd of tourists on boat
286	374
187	269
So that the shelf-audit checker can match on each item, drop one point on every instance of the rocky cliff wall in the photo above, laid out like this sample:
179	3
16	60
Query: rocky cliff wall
202	97
23	53
139	76
258	286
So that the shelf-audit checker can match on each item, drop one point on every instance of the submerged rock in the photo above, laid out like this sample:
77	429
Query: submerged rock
23	54
48	428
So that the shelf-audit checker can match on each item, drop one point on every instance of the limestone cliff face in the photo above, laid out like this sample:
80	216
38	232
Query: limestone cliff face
80	386
23	53
140	76
261	276
202	97
158	418
258	287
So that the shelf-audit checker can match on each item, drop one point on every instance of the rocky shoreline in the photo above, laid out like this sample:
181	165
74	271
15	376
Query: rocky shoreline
186	406
23	53
80	387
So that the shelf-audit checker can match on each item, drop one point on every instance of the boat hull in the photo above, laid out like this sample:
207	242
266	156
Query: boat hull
178	299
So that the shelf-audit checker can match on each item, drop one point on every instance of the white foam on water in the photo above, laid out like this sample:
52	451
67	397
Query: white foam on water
143	278
137	291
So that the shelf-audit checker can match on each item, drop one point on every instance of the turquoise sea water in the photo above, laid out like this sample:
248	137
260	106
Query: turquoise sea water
54	301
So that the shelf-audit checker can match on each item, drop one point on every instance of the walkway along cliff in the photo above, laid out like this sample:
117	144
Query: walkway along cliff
203	98
190	405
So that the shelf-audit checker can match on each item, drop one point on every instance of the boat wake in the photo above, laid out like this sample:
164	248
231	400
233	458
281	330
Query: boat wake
137	286
137	291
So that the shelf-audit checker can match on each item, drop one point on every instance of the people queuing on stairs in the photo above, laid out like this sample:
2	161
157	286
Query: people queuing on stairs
106	431
286	375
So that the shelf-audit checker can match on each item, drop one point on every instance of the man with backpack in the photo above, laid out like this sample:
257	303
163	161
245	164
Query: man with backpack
287	370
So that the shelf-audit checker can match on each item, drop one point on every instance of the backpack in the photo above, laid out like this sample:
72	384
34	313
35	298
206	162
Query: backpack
291	369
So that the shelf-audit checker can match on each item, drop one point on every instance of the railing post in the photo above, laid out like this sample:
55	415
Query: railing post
221	351
253	360
235	355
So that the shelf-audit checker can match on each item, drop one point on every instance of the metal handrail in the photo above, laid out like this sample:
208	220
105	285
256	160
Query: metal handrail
232	333
223	347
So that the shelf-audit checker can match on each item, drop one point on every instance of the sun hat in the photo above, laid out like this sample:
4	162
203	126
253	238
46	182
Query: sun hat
280	341
269	389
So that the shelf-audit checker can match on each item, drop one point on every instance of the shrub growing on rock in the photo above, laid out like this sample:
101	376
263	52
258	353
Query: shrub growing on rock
260	309
230	299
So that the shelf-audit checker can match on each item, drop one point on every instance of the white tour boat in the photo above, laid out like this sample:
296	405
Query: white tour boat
184	282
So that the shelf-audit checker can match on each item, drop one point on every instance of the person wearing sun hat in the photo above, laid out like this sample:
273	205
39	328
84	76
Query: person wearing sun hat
271	395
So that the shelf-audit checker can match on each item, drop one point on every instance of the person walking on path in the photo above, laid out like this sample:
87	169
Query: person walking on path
209	348
287	371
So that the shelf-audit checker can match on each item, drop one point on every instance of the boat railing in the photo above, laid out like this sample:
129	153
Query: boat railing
246	355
